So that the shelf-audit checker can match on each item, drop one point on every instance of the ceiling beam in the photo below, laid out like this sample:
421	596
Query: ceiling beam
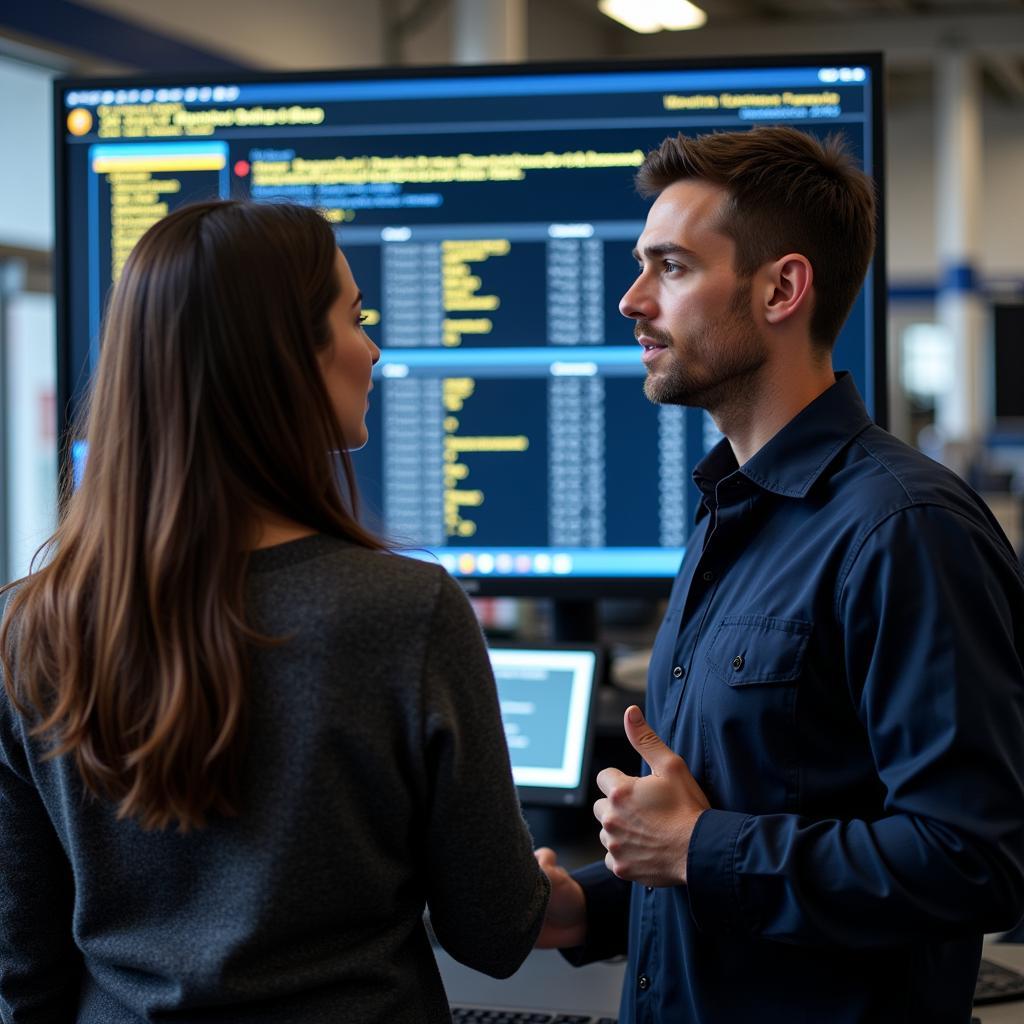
66	25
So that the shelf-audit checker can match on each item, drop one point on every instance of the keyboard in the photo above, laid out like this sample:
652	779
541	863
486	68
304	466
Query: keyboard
997	983
497	1015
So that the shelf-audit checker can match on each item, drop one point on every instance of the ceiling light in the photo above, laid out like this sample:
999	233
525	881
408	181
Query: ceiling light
654	15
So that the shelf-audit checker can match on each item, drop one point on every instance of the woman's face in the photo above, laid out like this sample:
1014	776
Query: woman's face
347	361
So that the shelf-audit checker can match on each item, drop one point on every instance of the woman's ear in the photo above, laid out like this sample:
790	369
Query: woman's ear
788	289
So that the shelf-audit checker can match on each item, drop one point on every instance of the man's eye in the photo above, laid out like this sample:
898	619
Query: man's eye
364	319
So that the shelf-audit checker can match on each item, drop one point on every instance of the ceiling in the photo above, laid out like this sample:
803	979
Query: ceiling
913	34
845	9
266	34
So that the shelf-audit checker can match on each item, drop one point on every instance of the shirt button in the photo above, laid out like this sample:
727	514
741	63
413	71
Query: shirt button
644	982
737	662
649	888
678	671
708	575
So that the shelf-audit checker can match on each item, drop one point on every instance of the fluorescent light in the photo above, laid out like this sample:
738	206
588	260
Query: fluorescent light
654	15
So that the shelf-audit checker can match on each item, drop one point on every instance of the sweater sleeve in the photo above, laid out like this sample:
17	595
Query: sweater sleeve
486	893
39	964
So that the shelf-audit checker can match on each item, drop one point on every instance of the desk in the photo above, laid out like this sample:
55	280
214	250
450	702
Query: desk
546	981
1009	954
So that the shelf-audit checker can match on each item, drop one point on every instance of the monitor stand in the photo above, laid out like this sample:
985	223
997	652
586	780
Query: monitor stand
570	831
574	622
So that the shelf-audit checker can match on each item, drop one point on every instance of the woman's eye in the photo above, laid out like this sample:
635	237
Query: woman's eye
364	319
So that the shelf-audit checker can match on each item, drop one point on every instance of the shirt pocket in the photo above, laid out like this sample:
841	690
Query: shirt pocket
748	712
758	650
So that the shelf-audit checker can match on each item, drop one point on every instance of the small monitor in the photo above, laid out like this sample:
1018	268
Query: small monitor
547	701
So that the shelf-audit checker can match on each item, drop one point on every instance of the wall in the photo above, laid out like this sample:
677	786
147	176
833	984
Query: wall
911	191
31	428
556	33
1002	223
26	175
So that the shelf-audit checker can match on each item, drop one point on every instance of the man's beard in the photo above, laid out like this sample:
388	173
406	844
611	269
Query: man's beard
711	367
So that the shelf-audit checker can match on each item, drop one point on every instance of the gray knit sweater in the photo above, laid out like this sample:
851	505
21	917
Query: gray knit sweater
377	782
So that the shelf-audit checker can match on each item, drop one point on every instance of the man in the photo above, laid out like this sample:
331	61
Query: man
836	814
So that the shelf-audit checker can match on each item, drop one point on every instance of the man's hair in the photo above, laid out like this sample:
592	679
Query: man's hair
787	192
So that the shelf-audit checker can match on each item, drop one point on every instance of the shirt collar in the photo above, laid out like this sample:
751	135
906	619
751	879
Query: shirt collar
791	462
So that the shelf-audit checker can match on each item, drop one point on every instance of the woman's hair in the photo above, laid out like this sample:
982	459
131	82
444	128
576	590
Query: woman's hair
128	647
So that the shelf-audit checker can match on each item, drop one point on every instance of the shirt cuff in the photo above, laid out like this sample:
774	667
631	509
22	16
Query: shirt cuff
711	872
607	915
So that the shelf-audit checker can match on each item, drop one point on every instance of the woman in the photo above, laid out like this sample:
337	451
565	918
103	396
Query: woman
242	746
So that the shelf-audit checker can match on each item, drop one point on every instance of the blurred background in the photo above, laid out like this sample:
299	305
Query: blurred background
954	177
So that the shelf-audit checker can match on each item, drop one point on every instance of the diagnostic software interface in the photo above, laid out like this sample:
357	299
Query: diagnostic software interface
489	219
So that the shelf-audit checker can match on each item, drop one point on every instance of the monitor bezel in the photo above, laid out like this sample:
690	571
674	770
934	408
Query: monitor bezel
559	587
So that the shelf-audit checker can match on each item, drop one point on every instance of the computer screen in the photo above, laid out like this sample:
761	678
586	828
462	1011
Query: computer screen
547	699
488	215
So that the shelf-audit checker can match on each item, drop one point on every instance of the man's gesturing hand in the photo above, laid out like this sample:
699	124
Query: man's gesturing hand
646	823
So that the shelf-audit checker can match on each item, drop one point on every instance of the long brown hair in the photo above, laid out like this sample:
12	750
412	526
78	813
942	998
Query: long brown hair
788	192
128	648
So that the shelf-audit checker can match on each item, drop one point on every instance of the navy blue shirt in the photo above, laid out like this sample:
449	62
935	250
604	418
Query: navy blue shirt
841	667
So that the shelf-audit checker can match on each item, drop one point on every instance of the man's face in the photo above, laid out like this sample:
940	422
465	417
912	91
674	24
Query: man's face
692	312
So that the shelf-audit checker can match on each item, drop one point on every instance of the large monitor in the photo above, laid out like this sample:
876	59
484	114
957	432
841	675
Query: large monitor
488	214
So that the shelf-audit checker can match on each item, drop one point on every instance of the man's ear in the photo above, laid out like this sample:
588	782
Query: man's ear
787	288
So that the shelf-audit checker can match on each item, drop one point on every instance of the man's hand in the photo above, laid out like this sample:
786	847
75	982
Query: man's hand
565	923
646	823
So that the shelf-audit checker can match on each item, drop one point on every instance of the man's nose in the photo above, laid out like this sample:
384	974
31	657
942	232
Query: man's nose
637	304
